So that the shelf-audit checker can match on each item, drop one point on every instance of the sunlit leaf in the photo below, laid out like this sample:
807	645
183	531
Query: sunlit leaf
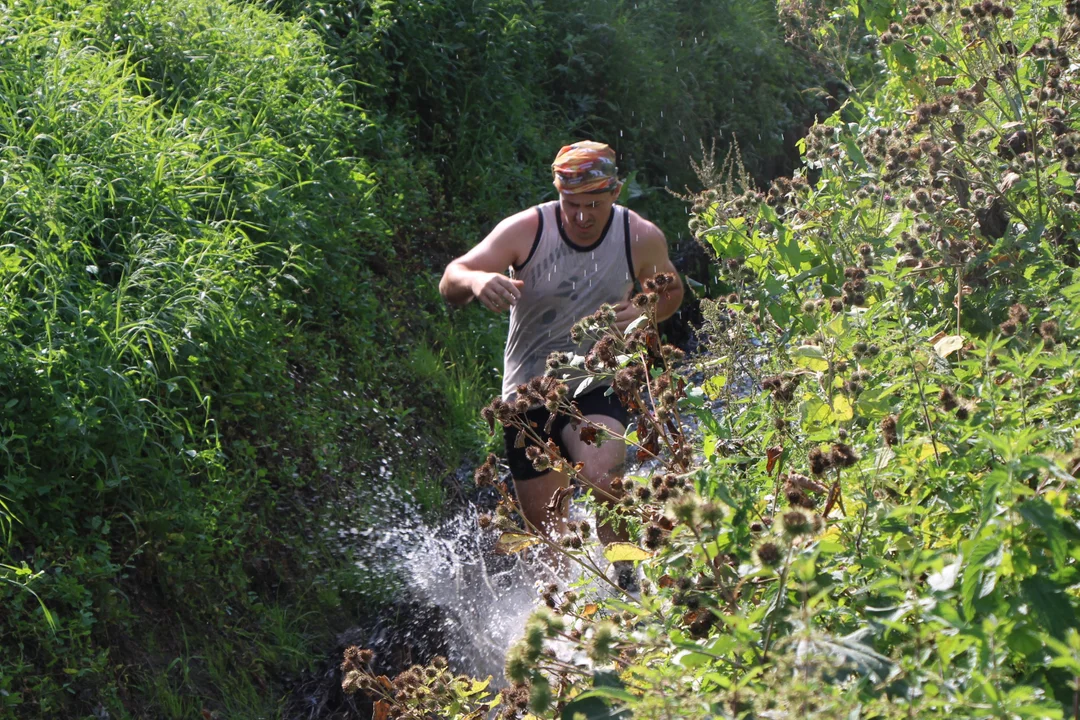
617	551
714	385
841	408
811	357
690	659
884	455
949	344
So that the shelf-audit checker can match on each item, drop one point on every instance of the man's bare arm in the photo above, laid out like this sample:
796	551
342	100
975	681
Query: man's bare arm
649	250
480	273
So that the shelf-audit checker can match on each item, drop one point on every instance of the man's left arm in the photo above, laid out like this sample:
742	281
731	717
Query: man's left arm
649	250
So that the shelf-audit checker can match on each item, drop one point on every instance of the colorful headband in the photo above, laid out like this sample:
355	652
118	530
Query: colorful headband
585	167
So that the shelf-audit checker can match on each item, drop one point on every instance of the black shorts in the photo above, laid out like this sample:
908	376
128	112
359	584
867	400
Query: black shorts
594	402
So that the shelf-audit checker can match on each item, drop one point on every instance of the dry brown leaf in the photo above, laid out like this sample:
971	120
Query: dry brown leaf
511	542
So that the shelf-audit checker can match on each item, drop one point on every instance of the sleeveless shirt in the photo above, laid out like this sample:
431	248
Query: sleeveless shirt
563	283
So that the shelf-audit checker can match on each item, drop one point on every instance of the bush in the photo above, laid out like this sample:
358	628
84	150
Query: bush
881	520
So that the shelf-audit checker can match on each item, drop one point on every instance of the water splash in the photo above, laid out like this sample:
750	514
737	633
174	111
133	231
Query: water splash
484	599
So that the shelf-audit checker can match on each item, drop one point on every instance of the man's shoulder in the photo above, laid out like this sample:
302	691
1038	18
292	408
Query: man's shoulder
527	221
516	233
644	231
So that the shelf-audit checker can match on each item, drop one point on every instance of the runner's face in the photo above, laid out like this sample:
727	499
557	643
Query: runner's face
585	215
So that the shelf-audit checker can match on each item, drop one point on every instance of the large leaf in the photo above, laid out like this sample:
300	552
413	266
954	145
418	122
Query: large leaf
811	357
591	703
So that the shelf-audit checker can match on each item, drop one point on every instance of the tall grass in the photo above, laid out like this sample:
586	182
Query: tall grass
171	180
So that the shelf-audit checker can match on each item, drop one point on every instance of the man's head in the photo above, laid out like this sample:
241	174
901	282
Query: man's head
587	180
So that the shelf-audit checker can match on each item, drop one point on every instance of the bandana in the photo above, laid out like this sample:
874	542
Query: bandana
584	167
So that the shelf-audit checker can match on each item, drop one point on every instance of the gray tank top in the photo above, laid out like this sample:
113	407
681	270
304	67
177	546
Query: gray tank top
563	283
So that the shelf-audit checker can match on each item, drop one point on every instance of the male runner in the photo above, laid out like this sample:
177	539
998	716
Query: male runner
550	266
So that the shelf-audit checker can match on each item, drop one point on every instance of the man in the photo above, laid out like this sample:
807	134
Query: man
550	266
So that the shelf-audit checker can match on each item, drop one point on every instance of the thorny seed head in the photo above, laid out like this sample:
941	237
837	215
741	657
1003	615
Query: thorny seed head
888	430
795	523
819	461
712	513
769	554
485	474
685	509
842	456
603	639
654	536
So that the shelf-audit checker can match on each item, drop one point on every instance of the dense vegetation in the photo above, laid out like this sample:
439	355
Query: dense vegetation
883	521
219	224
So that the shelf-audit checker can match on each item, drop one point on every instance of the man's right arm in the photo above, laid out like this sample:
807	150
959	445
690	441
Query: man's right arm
480	273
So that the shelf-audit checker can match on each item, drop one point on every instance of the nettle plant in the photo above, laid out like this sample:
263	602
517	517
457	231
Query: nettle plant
883	519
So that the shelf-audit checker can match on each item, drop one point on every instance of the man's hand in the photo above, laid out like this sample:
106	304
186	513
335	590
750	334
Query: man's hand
496	292
625	313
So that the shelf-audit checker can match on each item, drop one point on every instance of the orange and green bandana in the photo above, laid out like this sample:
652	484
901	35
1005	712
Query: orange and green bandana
585	167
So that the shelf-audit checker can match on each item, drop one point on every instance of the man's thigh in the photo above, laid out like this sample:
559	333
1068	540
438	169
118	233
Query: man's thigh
601	459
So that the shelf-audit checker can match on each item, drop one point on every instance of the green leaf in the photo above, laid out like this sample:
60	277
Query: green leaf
841	409
689	659
811	357
853	151
969	589
850	652
606	685
1049	604
1039	513
714	385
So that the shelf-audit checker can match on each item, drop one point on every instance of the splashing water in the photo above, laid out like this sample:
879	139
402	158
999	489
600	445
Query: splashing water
484	598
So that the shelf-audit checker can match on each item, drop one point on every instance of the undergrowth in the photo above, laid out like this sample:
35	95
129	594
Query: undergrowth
878	515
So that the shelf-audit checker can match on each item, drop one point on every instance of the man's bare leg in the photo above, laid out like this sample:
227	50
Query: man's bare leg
603	463
535	494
